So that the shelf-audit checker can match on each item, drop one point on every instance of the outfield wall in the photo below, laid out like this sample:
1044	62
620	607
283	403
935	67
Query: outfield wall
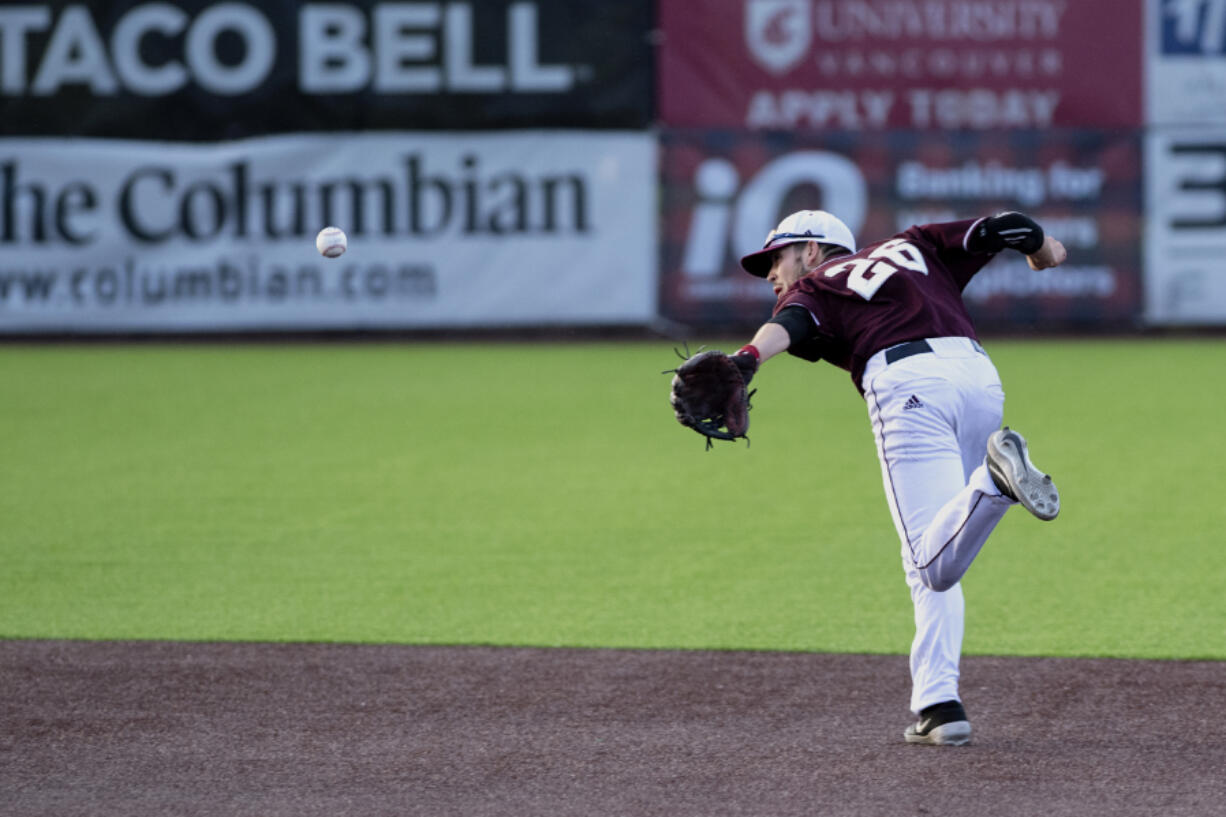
567	163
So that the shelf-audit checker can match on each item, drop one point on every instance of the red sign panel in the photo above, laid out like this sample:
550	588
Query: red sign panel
724	191
821	65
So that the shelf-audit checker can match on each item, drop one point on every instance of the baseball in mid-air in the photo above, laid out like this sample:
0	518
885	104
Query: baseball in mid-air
331	242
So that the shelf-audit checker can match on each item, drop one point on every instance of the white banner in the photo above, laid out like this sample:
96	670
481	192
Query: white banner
1185	277
1186	65
506	229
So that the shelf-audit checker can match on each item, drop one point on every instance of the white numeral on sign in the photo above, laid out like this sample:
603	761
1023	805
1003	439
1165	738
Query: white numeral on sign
866	275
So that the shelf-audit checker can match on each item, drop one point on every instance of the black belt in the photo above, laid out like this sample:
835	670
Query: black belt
914	347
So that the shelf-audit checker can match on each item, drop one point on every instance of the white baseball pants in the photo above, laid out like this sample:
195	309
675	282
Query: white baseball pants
932	414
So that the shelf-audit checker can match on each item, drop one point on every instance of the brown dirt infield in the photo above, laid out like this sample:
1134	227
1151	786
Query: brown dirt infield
181	729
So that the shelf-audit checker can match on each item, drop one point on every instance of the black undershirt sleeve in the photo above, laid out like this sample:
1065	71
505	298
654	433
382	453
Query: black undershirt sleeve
1008	230
805	339
798	323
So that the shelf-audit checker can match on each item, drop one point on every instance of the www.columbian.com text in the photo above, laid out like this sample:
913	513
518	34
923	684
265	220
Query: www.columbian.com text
223	281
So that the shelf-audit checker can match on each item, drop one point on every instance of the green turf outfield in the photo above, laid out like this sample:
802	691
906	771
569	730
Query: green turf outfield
542	495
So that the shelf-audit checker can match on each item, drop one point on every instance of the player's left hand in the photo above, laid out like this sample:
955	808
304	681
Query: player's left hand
709	394
1051	254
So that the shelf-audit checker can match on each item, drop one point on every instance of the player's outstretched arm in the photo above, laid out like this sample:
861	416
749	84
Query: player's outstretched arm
771	339
1051	254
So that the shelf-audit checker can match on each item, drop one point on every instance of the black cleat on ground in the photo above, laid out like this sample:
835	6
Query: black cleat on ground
942	724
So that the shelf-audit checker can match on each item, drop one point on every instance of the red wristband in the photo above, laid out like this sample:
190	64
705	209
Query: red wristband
750	349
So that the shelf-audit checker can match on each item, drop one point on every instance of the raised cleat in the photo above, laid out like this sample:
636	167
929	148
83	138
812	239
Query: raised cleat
1017	478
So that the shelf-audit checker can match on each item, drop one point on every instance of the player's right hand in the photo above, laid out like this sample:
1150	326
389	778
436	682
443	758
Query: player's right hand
1051	254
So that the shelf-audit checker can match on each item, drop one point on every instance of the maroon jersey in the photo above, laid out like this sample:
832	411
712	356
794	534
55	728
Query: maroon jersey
903	288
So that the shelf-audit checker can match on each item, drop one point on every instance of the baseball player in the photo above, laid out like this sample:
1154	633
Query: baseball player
892	314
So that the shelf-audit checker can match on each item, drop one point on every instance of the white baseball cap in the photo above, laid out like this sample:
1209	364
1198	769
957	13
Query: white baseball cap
803	225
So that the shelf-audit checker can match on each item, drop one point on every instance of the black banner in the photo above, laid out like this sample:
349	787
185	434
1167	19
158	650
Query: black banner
197	70
722	192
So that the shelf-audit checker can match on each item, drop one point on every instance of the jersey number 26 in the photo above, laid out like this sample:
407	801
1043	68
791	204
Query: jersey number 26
866	275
